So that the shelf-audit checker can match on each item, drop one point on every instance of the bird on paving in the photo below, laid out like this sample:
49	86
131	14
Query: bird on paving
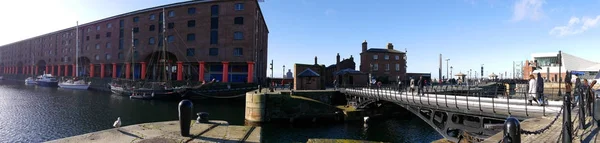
117	123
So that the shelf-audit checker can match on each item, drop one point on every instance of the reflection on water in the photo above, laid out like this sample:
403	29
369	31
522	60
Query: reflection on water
37	114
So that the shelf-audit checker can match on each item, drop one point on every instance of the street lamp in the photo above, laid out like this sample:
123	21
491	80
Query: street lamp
283	73
450	70
447	68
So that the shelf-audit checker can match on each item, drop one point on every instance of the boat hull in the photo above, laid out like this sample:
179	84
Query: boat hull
147	93
30	82
47	84
74	86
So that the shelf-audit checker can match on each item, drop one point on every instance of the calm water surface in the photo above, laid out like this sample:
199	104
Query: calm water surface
37	114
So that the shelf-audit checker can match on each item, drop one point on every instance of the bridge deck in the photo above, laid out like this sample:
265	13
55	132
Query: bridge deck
484	106
553	134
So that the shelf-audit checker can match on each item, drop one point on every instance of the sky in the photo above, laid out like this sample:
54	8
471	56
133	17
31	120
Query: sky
468	32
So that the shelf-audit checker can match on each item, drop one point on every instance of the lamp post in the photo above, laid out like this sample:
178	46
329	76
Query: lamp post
470	70
450	70
271	84
283	73
447	68
481	71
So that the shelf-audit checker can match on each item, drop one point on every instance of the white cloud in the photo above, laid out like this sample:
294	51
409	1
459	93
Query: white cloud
528	9
575	26
330	12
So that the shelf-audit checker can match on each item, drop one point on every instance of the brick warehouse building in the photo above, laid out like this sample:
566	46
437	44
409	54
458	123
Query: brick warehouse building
382	63
224	40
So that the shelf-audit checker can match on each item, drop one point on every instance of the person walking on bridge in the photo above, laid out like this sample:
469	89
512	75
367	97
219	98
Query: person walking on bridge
532	89
412	85
421	84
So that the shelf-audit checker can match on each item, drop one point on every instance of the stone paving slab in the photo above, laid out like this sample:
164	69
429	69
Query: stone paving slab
554	133
159	132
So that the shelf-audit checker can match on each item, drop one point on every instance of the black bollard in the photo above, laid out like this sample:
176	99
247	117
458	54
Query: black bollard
567	136
185	116
259	88
512	130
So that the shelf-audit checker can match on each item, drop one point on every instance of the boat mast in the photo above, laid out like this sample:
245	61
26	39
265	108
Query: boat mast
132	53
164	50
76	50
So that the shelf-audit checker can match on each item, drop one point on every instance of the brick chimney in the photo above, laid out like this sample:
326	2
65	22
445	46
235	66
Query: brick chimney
390	46
316	60
337	59
364	46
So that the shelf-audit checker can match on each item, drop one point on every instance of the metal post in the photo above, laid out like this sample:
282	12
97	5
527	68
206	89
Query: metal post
467	97
525	95
479	96
512	130
508	102
428	103
566	129
446	95
579	91
447	77
185	116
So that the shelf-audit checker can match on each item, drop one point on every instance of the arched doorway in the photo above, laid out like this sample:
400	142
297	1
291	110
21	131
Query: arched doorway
2	70
41	67
83	66
160	64
20	67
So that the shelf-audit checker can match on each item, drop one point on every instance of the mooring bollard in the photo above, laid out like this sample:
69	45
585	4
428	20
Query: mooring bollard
512	130
566	136
202	117
259	88
185	116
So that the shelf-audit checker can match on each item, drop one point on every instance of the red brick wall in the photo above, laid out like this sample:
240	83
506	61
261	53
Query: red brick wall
366	59
254	45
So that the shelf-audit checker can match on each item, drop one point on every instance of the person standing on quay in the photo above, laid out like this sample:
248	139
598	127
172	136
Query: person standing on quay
532	89
540	89
334	84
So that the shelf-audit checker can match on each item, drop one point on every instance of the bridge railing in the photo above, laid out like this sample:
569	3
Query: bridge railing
582	93
438	96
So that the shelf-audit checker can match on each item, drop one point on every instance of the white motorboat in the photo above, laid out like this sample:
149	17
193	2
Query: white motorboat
30	81
74	84
47	80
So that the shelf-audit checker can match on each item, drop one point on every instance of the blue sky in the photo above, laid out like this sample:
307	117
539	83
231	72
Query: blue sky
468	32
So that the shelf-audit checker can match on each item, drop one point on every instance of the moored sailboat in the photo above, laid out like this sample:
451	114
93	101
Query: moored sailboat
144	89
75	83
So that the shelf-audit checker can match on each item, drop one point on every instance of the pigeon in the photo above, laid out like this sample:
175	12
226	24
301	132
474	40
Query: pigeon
117	123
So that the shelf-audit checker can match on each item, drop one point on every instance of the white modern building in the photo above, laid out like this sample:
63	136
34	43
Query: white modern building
547	65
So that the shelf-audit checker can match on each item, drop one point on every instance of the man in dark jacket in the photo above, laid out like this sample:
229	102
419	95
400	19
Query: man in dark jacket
540	89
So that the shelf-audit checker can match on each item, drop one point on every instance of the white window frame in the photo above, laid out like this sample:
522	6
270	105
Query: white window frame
375	57
387	67
240	7
375	67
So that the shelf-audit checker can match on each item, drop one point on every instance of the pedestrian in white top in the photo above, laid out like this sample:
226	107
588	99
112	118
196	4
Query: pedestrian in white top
532	89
